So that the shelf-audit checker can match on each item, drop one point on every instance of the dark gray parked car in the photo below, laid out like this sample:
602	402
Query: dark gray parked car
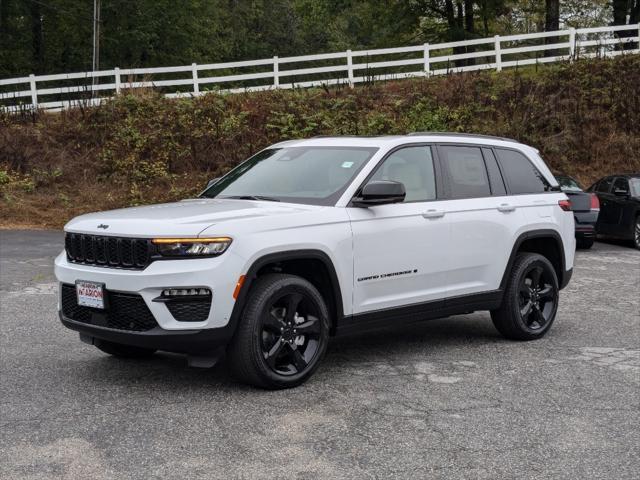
585	207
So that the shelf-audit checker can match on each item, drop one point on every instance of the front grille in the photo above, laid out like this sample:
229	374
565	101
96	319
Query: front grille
191	310
103	251
125	311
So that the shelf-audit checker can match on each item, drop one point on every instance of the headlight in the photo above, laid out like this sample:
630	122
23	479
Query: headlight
192	247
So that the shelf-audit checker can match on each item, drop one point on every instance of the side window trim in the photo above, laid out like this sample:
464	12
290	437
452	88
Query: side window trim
436	168
492	180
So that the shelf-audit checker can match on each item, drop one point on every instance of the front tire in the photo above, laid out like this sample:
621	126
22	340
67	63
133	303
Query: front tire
283	333
530	301
636	233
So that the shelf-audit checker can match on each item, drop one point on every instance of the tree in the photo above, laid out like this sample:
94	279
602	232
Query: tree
623	10
551	23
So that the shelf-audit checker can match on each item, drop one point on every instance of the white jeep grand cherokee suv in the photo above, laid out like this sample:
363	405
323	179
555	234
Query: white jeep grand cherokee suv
313	238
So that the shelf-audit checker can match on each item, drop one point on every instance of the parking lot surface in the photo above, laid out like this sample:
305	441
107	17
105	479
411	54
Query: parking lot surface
444	399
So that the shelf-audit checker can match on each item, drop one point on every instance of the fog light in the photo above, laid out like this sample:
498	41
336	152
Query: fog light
181	292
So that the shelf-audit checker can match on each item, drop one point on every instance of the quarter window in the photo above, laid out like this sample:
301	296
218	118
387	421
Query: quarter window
466	171
413	167
520	174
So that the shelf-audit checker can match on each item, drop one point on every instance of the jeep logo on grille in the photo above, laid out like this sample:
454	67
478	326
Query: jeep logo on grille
103	226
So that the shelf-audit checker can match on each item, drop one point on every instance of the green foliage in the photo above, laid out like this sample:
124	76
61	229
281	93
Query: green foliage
56	36
144	148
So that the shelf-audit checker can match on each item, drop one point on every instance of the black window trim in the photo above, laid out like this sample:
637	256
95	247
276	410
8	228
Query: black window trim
436	168
502	180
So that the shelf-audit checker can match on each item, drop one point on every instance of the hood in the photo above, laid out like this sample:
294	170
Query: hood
185	218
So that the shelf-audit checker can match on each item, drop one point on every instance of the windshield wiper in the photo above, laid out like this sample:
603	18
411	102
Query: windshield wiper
253	197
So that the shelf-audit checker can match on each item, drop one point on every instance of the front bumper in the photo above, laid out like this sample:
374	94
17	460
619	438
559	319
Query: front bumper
202	341
219	274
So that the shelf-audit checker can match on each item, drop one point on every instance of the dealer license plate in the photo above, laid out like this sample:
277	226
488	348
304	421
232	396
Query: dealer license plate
90	294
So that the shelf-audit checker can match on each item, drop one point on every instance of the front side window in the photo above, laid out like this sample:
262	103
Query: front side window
634	183
605	185
466	171
311	175
413	167
520	174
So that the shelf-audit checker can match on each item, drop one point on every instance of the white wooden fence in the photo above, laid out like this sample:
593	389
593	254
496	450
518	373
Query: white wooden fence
56	92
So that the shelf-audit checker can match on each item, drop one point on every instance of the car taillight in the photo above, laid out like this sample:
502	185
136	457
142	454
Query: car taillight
565	205
595	203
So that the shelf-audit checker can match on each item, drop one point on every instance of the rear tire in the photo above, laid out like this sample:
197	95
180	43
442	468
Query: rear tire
123	351
282	335
584	243
530	300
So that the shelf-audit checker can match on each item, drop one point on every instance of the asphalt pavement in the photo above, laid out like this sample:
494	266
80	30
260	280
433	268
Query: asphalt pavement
445	399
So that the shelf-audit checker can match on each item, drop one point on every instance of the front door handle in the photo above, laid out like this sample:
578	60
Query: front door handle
433	213
505	208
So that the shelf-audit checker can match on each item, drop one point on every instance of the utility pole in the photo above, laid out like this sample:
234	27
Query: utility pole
96	41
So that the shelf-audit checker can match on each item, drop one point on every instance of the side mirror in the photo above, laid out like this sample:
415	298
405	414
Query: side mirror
621	192
213	181
380	192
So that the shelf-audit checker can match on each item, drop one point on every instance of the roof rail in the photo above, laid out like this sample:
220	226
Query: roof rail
465	135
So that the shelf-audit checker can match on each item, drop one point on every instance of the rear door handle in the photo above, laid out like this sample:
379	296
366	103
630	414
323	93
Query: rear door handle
505	207
433	213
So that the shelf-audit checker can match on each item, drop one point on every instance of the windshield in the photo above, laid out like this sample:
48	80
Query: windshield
568	184
311	175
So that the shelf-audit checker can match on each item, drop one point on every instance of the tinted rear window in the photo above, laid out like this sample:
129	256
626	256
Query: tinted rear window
568	184
466	172
520	174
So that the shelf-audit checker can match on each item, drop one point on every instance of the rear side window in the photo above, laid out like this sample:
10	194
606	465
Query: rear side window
621	185
605	185
520	174
465	171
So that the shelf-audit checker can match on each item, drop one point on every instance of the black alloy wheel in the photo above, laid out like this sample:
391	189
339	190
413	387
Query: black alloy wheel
282	335
530	301
636	233
290	333
538	298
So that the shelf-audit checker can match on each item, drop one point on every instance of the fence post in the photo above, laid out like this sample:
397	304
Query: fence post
350	68
117	82
276	77
34	91
196	85
498	54
572	44
427	66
